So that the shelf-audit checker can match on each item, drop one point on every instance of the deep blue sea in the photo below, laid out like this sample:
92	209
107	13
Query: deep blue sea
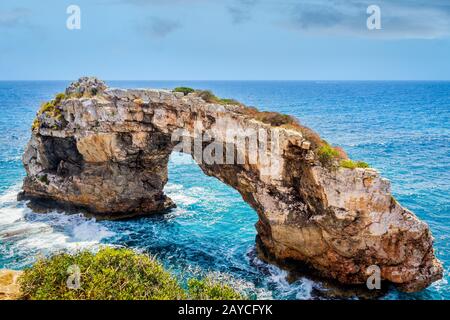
400	128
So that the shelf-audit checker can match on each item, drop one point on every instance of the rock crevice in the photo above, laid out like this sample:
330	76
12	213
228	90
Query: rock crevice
107	152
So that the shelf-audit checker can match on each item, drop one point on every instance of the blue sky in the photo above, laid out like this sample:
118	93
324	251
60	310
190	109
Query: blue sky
225	40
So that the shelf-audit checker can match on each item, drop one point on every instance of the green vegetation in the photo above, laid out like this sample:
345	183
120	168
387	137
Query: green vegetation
59	97
209	289
113	274
51	107
350	164
229	101
327	154
36	124
208	96
185	90
44	179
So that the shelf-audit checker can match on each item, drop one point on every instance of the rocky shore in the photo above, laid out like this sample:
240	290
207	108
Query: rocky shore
105	151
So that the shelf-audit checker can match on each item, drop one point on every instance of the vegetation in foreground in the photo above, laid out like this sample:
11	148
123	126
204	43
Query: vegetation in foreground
113	274
209	289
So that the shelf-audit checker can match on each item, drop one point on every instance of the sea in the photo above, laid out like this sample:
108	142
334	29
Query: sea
401	128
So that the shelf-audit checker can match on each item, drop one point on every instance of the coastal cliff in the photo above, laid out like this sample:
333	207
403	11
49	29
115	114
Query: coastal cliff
105	151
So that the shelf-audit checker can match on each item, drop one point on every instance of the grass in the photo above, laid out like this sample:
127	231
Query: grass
350	164
113	274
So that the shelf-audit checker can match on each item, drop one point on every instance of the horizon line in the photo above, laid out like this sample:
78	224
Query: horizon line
243	80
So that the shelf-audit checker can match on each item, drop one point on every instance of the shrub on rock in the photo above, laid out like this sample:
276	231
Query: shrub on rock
110	274
113	274
185	90
211	289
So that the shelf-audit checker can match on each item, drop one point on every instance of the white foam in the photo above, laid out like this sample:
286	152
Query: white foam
28	233
183	199
172	187
301	289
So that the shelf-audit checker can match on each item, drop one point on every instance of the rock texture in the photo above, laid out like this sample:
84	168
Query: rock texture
9	287
108	149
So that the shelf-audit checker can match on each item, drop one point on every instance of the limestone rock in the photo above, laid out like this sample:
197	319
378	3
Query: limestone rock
86	86
111	159
9	287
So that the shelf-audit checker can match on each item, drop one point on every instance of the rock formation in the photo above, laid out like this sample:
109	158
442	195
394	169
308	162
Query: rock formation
106	151
9	287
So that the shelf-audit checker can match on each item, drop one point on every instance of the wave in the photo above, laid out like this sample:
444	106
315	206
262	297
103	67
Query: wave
25	234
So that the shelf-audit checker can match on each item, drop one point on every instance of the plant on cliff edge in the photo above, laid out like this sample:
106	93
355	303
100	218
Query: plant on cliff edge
350	164
185	90
327	154
275	119
51	107
113	274
110	274
210	97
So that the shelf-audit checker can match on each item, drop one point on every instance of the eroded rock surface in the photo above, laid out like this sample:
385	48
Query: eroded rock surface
108	149
9	286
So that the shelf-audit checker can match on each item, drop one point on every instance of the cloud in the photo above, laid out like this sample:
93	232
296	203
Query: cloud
399	19
13	18
159	2
240	11
157	27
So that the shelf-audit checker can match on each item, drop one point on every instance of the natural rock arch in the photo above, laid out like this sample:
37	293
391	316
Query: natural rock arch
106	151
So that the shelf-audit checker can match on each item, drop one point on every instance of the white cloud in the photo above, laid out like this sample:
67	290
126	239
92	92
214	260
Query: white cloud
14	17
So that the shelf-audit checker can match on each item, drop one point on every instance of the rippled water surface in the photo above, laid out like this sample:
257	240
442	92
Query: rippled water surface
400	128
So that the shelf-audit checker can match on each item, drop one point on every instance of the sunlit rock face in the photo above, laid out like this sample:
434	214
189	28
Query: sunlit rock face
9	286
106	151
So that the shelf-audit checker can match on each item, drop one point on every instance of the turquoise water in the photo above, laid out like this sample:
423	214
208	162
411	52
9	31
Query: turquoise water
400	128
